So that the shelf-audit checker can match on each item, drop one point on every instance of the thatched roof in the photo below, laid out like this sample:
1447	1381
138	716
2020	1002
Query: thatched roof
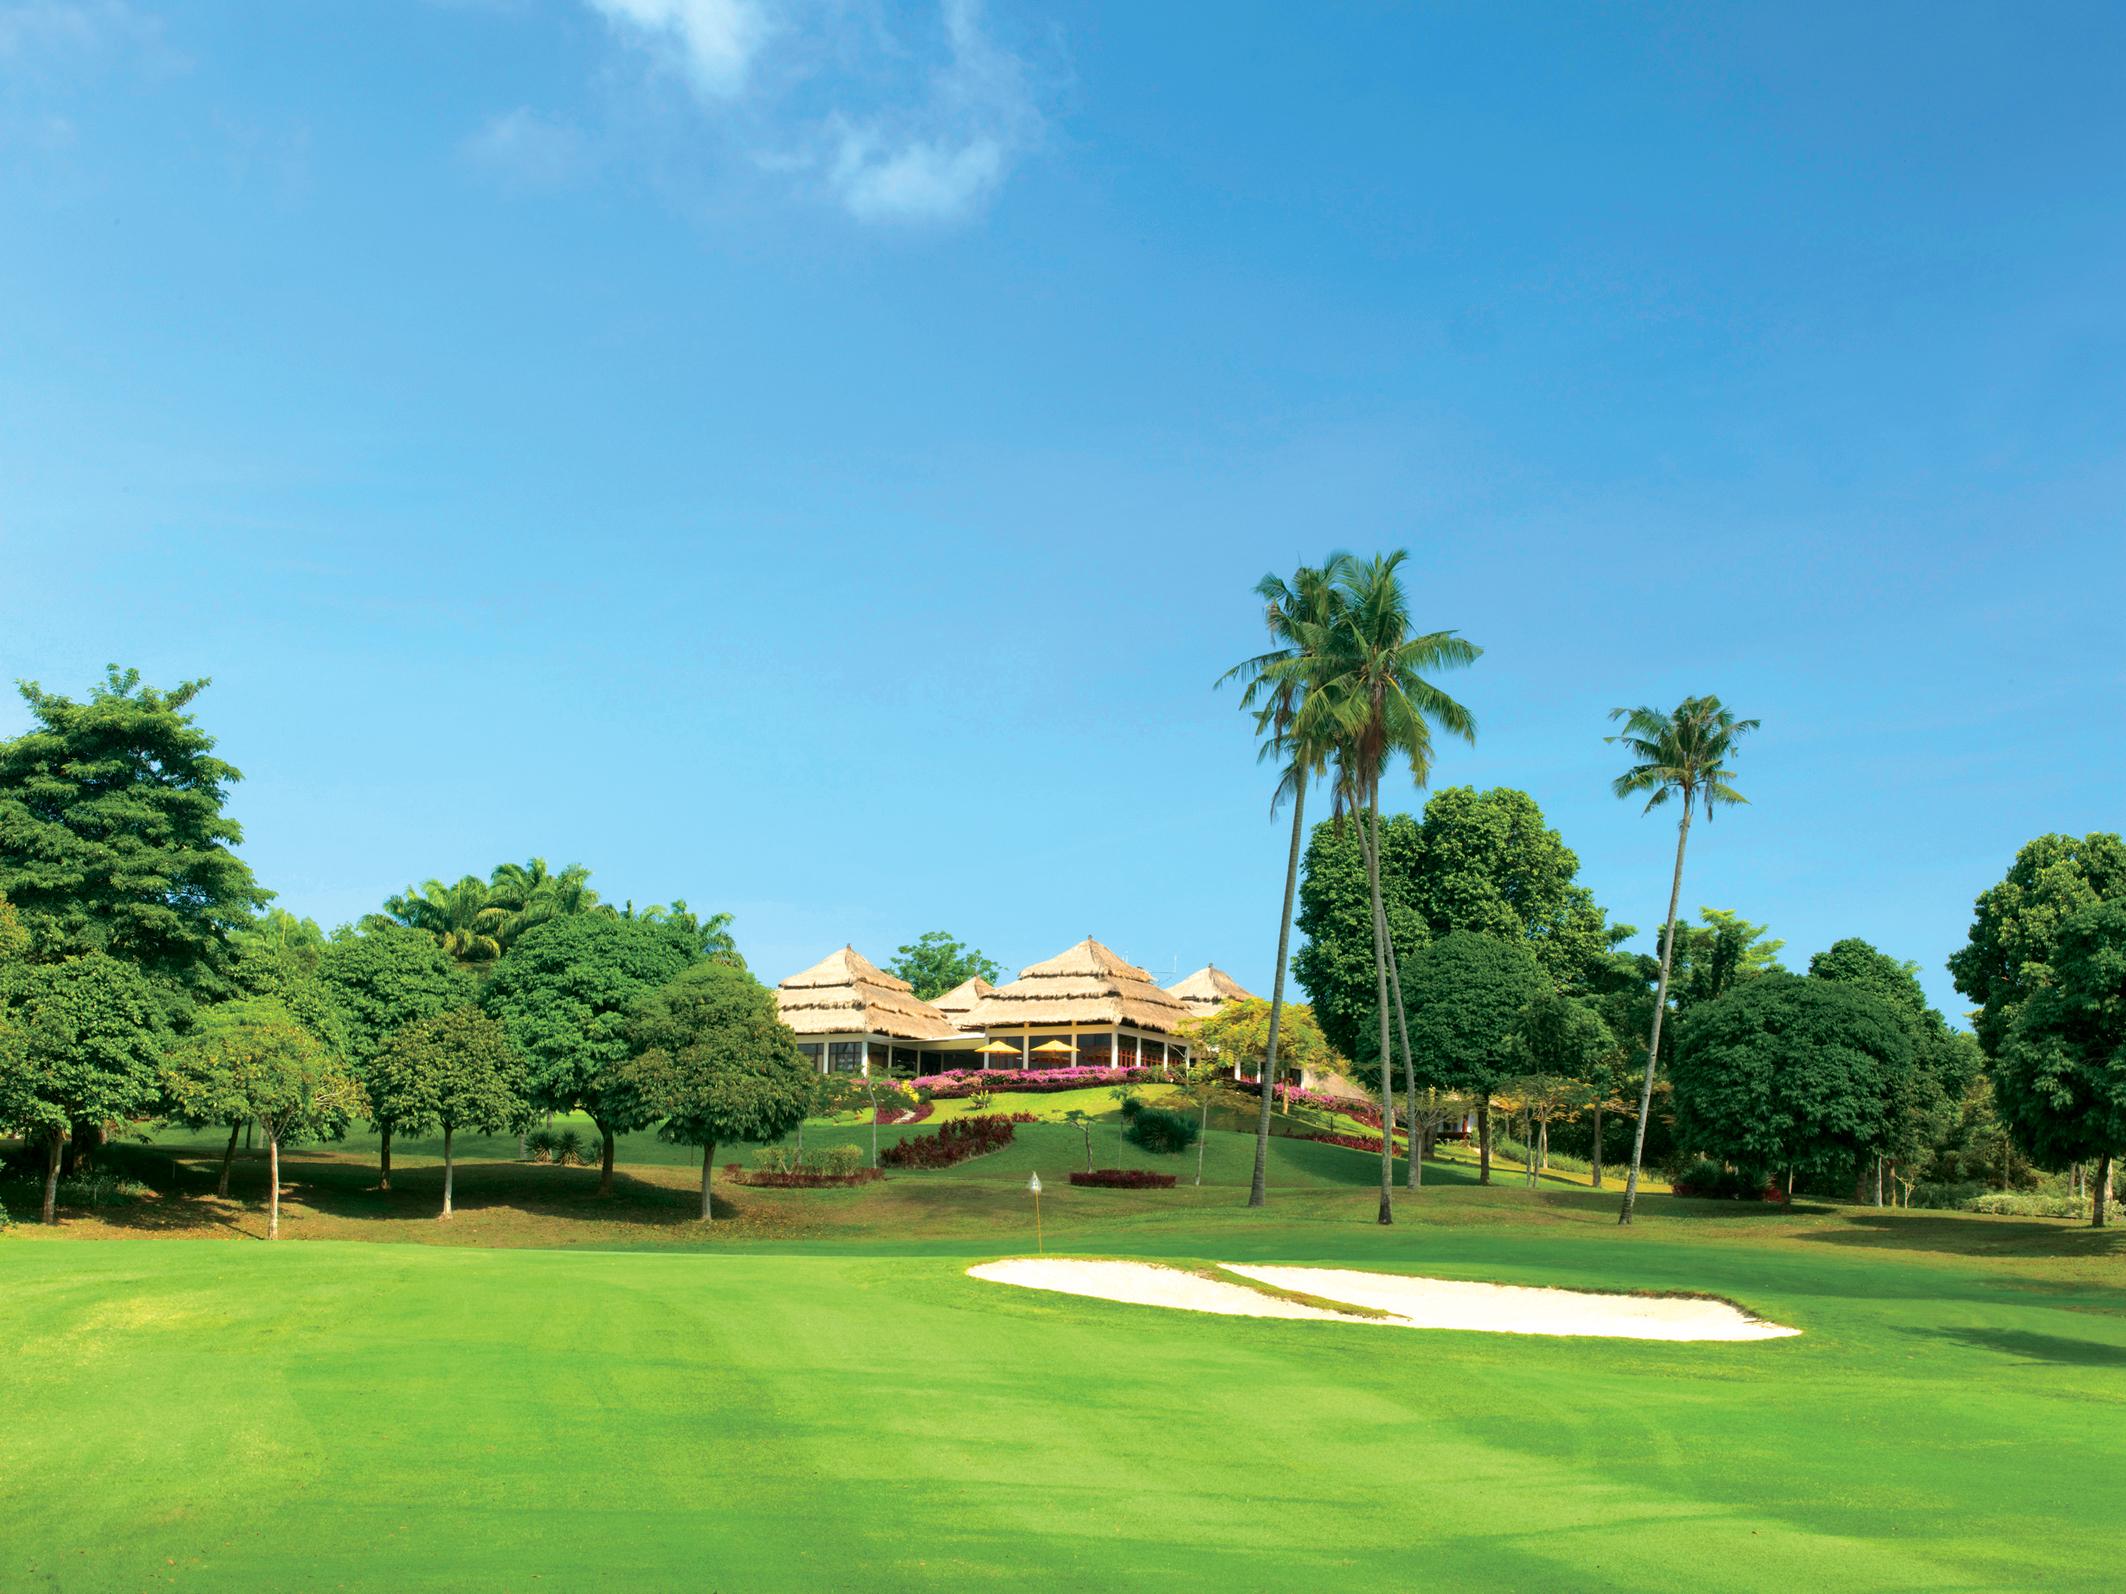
1207	990
959	1003
1087	985
845	993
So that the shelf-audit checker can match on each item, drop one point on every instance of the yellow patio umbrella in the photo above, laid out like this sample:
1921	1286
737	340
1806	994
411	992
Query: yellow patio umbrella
996	1049
1055	1046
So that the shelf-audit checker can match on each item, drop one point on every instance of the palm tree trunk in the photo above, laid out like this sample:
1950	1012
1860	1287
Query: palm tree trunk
708	1164
1596	1182
53	1149
228	1156
1413	1179
1653	1043
1258	1191
1387	1063
273	1182
449	1169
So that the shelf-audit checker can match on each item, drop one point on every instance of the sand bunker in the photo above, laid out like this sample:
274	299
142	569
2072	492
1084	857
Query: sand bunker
1408	1302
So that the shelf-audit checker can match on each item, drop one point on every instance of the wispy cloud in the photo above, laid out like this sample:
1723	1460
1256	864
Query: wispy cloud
523	148
77	31
909	115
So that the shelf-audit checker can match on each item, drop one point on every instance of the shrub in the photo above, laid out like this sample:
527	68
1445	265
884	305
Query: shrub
563	1147
101	1190
836	1162
951	1142
1356	1142
1945	1197
1123	1179
6	1222
1161	1132
2014	1204
1707	1180
963	1083
904	1115
1132	1104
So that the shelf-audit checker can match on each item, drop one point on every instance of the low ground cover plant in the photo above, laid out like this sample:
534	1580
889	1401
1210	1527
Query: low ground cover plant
953	1141
784	1167
562	1147
1123	1179
1160	1132
2027	1204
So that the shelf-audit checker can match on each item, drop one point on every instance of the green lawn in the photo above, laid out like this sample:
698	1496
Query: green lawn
813	1395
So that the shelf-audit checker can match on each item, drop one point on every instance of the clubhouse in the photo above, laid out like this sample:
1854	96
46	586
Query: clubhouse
1086	1007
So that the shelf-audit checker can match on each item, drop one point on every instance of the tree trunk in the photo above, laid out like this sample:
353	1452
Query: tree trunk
874	1128
449	1169
1411	1177
1483	1141
54	1149
1595	1183
273	1185
1203	1134
2100	1191
605	1161
383	1156
228	1156
1653	1042
1258	1191
1387	1063
1878	1178
1542	1148
708	1166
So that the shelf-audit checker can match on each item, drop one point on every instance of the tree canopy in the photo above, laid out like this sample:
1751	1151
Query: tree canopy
2059	1075
712	1058
565	992
1335	962
934	962
1466	993
1238	1034
384	979
2015	923
1717	954
1788	1072
113	837
456	1070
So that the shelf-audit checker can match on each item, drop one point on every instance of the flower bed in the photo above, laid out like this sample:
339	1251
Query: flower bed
1123	1179
964	1082
953	1141
1355	1142
762	1178
903	1115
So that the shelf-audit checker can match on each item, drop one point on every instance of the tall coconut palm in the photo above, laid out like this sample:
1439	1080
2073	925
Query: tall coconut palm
460	917
1381	708
1301	616
1679	754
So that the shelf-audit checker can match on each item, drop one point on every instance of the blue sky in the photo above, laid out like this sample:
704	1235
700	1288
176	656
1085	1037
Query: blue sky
812	458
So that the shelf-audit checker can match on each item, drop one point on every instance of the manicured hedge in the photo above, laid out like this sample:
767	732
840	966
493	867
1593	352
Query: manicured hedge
955	1140
1123	1179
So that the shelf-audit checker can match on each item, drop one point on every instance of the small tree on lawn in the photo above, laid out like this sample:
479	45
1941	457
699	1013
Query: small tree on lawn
714	1061
1466	993
1564	1051
456	1070
252	1058
80	1045
2060	1072
382	980
882	1093
1082	1121
1201	1086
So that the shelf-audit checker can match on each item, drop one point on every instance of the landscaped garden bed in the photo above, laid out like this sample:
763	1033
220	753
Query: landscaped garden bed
971	1081
953	1141
762	1178
1123	1179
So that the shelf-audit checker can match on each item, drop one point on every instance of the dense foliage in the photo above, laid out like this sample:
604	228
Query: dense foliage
953	1141
934	962
1238	1036
2017	922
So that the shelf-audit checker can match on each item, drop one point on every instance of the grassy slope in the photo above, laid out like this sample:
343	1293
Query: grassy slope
816	1396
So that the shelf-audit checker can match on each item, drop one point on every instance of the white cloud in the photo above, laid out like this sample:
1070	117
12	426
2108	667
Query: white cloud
523	147
78	30
711	43
907	119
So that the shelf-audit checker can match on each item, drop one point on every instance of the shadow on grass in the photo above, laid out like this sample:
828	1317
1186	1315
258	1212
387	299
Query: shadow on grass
1969	1234
2057	1349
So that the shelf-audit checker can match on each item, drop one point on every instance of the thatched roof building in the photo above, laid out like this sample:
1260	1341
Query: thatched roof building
1207	990
1088	985
959	1003
845	993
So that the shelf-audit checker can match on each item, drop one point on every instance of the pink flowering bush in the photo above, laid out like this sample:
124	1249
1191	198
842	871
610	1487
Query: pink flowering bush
964	1082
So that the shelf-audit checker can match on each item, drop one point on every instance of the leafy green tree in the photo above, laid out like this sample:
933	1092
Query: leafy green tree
281	934
456	1070
1715	956
82	1039
2060	1072
1302	617
1542	1099
1082	1121
711	1058
1683	754
709	937
1487	861
250	1059
2016	923
113	837
382	980
14	940
1467	993
564	993
1237	1036
1789	1073
1201	1085
934	962
1925	1102
530	893
1621	989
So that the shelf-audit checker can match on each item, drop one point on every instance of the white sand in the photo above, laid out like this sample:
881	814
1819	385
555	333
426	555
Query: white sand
1412	1302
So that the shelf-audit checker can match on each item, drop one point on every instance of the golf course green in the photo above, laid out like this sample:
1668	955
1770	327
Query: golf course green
550	1390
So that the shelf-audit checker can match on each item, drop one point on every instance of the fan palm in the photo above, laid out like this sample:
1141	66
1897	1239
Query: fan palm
1682	754
1301	616
1378	707
464	923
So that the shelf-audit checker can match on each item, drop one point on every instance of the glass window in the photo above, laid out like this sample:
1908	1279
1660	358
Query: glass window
903	1060
1094	1051
814	1055
846	1057
1126	1052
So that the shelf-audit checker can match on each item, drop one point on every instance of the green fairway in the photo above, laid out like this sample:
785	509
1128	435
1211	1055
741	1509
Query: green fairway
816	1396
